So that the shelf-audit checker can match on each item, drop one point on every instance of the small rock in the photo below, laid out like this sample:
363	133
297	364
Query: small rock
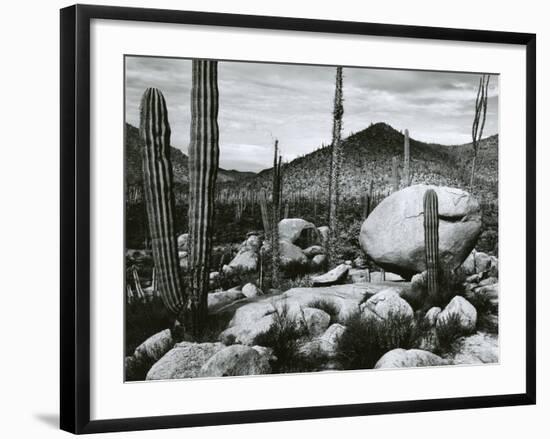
316	320
291	256
334	276
183	241
253	242
387	302
323	231
360	262
250	290
318	262
359	275
223	298
329	339
409	358
431	315
464	309
314	250
152	349
236	360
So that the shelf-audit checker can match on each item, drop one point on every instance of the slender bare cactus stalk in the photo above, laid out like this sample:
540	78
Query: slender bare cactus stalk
159	197
406	159
276	215
479	117
203	169
335	168
431	242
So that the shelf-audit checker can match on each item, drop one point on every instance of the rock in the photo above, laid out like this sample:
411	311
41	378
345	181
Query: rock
318	262
182	255
476	349
348	262
184	360
254	318
410	358
387	302
488	281
334	276
316	321
431	315
253	242
214	276
222	298
393	234
360	262
464	309
236	360
314	250
251	290
323	232
152	349
329	339
291	256
482	262
183	241
246	260
359	275
299	232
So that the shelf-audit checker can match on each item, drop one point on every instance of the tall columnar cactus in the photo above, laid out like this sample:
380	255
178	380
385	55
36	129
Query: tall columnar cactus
203	169
159	198
335	167
276	216
406	160
431	241
395	174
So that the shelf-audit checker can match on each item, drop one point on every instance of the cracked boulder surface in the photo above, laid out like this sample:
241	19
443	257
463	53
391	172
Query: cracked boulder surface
393	234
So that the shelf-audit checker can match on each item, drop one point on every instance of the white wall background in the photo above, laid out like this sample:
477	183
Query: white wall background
29	218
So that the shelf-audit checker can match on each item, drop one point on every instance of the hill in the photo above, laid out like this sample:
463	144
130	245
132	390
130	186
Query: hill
134	174
368	155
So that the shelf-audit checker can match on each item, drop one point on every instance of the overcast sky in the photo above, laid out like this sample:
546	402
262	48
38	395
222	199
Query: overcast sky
293	103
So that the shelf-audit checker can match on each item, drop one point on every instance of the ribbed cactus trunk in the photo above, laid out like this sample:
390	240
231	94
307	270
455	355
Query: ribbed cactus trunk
159	197
407	159
276	215
431	242
335	168
203	169
395	174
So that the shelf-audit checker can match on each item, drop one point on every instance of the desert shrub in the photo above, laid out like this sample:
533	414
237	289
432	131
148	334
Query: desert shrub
486	312
143	319
366	339
282	337
327	306
447	331
451	283
297	282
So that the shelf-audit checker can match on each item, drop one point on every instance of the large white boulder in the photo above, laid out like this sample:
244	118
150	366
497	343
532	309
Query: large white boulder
291	256
393	234
300	232
409	358
334	276
254	318
184	360
237	360
385	303
480	348
465	311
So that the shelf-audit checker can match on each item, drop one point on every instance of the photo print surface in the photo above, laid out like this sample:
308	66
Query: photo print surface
284	218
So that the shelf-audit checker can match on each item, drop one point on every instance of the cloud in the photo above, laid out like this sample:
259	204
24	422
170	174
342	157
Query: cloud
260	102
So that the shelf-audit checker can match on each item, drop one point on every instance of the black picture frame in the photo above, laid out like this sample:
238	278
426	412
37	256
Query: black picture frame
75	217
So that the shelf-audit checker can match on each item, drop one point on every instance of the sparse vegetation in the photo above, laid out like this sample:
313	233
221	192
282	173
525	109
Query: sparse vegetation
366	339
327	306
447	331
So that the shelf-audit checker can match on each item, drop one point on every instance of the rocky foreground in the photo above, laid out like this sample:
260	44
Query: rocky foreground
324	318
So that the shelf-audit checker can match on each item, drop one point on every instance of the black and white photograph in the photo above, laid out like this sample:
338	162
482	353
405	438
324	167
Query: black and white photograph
295	218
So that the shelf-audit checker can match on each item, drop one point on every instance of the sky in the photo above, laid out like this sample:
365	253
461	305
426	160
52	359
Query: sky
261	102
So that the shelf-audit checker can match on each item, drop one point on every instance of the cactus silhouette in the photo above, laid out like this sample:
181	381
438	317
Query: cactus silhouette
276	216
159	198
431	241
335	169
203	170
407	159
